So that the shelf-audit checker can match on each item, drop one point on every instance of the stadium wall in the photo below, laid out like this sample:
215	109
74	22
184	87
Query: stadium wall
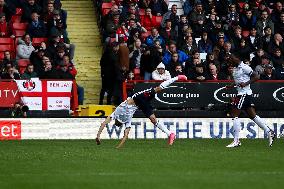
86	128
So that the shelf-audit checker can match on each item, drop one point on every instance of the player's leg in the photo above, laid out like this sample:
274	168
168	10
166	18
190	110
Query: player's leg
171	135
260	122
235	112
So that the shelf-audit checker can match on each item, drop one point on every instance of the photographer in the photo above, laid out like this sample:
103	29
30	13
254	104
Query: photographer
19	110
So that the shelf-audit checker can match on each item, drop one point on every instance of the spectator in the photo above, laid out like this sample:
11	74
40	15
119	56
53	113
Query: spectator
169	33
5	30
263	22
260	68
244	50
183	22
253	40
25	48
225	50
178	70
153	37
248	20
36	27
63	71
161	73
277	58
29	7
236	38
135	55
122	32
173	49
112	26
256	60
199	27
227	74
56	16
172	15
213	73
268	73
131	10
108	61
29	73
197	12
277	42
187	6
279	72
150	59
199	73
173	63
10	73
218	47
190	46
49	72
60	53
143	4
276	12
204	44
158	7
147	20
7	9
36	59
279	26
210	59
58	29
266	39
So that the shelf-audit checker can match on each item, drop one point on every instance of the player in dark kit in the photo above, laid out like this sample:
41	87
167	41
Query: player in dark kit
141	100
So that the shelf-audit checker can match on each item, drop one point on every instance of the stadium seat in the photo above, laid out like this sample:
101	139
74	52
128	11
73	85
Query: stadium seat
19	33
106	5
20	26
37	41
6	40
5	47
245	33
22	64
158	20
136	72
105	11
1	56
16	19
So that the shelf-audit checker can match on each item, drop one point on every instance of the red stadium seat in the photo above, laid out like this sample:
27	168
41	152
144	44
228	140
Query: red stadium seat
16	19
22	64
37	41
136	72
245	33
19	33
1	56
20	26
6	40
106	5
145	35
5	47
105	11
158	21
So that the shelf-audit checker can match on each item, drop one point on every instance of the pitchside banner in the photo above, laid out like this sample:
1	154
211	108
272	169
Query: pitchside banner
267	95
142	128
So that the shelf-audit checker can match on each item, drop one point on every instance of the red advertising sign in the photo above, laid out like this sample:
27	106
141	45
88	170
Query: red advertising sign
8	94
10	130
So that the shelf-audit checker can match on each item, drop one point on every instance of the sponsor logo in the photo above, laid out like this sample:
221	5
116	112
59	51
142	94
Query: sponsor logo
175	95
279	94
29	85
224	95
10	130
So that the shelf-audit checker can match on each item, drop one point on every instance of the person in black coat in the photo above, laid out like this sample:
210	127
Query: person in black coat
29	7
49	72
268	73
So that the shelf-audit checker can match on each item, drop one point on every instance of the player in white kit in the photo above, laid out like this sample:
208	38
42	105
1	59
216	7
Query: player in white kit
244	76
141	100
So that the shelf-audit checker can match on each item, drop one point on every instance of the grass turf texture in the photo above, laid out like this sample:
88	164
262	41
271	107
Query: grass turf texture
141	164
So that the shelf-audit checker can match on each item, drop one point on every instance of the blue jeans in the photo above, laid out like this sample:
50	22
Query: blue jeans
147	76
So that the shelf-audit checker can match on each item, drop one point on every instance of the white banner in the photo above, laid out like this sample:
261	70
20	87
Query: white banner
142	128
45	95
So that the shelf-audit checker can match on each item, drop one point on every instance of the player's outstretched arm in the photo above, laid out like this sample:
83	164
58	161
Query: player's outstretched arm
103	124
126	133
166	83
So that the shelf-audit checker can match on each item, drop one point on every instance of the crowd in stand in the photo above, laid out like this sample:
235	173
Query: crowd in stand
146	39
48	57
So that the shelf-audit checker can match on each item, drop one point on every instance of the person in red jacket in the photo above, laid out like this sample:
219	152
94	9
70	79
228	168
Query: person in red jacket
4	27
148	21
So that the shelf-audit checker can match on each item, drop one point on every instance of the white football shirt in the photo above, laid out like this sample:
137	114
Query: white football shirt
124	113
241	74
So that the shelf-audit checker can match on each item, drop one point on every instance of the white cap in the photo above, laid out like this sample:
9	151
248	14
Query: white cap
161	65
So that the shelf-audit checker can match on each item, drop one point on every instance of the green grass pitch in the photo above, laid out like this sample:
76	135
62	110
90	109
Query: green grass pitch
189	163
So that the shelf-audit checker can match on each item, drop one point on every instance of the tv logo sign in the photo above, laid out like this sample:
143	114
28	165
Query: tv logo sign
10	130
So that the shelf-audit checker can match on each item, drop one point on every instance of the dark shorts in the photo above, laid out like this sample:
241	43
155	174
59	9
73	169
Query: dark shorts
243	102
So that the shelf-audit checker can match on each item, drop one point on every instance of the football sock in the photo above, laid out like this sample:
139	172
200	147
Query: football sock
168	82
163	128
236	126
261	124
